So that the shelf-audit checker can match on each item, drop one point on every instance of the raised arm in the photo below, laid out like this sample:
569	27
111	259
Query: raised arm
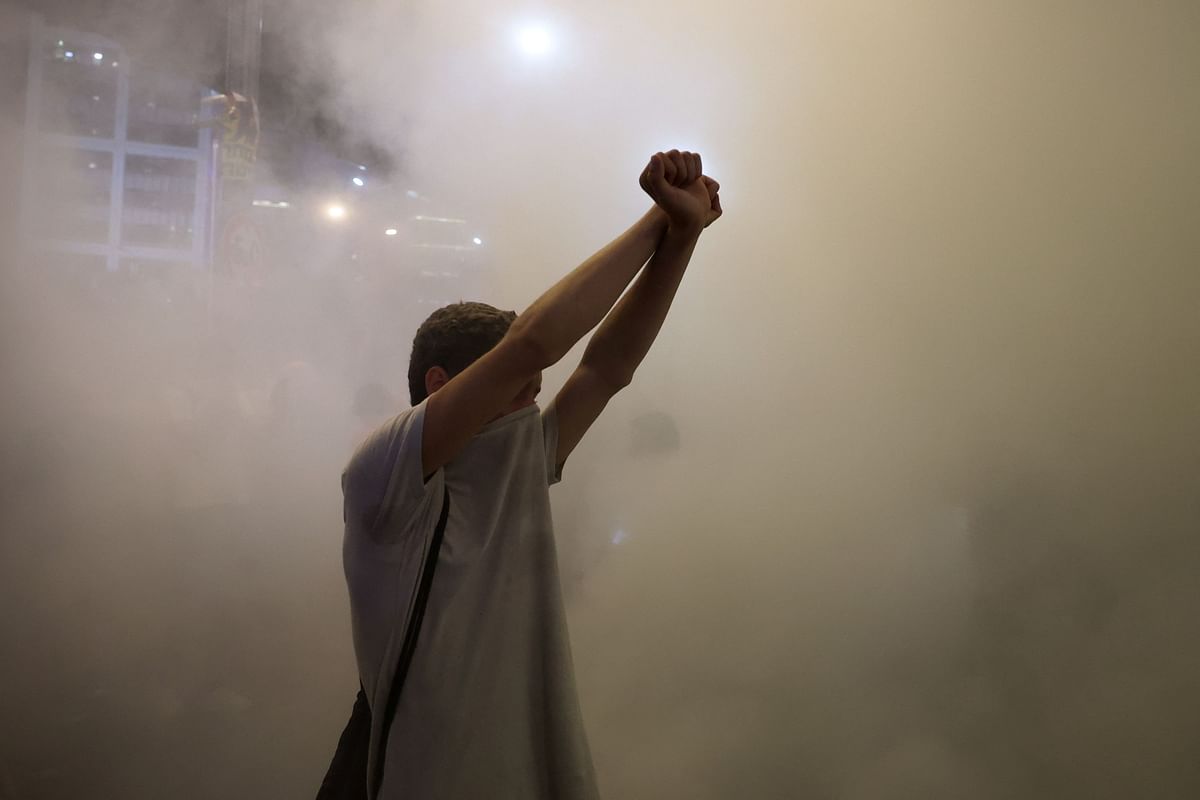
676	182
538	338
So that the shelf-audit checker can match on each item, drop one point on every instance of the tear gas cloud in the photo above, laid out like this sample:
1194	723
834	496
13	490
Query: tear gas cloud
903	502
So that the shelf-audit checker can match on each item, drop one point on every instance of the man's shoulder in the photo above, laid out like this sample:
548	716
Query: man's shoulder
388	457
393	431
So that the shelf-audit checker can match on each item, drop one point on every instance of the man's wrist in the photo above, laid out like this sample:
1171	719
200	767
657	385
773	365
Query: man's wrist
657	219
692	228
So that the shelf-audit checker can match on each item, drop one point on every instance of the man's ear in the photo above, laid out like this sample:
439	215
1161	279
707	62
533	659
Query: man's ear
435	378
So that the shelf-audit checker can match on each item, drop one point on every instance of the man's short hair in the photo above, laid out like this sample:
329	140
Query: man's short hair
452	338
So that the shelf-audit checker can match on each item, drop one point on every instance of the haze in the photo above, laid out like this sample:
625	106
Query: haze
903	503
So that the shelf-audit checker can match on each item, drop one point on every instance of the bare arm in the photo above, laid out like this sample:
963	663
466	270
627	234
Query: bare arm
538	338
625	336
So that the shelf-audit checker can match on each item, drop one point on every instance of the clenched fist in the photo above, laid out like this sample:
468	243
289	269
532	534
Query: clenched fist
677	184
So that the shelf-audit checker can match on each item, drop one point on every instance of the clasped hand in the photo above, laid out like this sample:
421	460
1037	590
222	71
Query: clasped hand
676	182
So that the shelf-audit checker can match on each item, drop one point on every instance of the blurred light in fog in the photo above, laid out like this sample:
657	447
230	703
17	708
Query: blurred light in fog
335	211
69	54
477	240
535	40
412	193
390	232
98	56
447	220
357	181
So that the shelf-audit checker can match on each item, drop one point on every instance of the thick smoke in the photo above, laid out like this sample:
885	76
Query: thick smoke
903	503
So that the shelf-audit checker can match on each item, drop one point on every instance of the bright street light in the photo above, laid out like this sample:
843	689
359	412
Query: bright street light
535	40
390	232
335	211
357	181
477	240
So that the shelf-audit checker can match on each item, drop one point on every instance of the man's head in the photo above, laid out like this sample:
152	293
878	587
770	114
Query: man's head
450	341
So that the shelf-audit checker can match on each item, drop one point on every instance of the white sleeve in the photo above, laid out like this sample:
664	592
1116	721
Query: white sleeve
383	480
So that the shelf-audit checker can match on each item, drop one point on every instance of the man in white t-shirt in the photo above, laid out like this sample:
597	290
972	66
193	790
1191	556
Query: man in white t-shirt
488	707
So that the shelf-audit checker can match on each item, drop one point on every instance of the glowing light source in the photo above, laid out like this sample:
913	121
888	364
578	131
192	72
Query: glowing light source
98	56
535	40
335	211
447	220
390	232
69	54
477	240
357	181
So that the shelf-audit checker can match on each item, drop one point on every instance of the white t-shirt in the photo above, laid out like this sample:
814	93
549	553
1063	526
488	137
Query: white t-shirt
489	706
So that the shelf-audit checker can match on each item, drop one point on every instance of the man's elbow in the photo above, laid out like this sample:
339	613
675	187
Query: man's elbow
528	350
533	351
609	375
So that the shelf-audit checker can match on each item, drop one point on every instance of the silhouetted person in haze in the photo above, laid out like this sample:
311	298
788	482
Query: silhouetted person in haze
488	707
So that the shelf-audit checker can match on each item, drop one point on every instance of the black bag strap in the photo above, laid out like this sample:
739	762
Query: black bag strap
346	778
410	641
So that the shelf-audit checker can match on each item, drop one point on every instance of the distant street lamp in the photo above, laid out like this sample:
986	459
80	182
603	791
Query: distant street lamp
535	40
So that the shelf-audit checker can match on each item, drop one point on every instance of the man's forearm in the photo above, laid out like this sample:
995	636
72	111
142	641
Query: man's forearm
618	347
577	303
